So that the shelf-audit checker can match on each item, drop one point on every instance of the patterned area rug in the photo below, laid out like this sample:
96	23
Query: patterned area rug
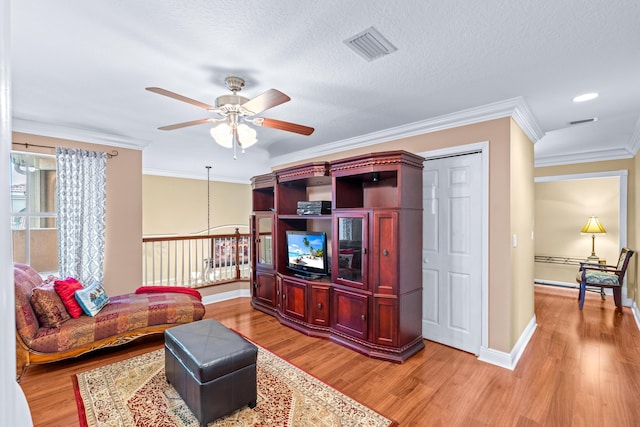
134	392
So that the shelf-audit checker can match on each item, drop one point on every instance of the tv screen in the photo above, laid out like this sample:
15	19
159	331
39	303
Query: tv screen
307	252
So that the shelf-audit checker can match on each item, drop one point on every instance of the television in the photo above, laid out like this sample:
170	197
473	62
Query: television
307	253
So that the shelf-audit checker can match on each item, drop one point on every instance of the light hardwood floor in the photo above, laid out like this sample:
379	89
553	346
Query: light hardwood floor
580	368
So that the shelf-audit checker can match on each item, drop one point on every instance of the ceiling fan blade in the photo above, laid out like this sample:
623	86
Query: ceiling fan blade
185	124
289	127
266	100
179	97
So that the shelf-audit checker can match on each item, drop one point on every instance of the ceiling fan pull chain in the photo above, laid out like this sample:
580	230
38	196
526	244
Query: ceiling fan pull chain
235	142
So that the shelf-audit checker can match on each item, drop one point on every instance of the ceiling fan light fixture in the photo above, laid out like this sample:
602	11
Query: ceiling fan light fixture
233	108
247	135
222	135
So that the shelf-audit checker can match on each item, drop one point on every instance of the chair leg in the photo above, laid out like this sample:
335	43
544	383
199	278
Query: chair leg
580	283
583	289
617	298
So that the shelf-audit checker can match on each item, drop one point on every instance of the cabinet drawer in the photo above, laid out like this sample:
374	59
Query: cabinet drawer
319	305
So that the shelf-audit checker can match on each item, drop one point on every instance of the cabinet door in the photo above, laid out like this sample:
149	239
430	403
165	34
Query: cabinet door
265	288
294	299
319	305
385	321
264	240
350	246
350	313
385	252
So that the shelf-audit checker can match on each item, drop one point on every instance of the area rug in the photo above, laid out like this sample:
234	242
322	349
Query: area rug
134	392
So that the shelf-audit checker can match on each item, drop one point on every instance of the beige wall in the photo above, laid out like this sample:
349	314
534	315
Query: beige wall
178	206
522	225
633	207
123	262
561	210
505	321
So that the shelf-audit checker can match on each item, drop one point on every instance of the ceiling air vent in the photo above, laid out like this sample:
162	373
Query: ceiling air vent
579	122
370	44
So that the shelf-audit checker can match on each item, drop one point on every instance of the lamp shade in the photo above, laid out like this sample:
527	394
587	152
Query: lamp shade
222	135
593	226
246	135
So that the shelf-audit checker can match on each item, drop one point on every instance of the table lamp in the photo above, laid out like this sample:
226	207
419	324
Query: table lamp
593	227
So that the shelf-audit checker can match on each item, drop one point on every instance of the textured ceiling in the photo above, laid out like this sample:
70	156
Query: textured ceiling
79	69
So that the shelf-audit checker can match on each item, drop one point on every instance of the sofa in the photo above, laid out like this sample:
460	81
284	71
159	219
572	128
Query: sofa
46	332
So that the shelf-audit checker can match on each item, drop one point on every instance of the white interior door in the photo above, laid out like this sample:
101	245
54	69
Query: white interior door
451	253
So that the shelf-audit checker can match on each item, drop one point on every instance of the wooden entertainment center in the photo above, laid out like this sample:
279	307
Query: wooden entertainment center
371	300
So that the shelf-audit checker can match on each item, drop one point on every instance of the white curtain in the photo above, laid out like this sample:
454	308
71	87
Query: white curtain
81	200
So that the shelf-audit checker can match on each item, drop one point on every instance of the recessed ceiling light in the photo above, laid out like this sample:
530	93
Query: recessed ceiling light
585	97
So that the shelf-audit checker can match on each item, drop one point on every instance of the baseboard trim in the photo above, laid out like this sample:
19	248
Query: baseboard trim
556	283
509	360
224	296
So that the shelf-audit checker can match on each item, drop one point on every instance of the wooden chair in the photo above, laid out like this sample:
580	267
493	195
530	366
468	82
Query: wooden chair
604	276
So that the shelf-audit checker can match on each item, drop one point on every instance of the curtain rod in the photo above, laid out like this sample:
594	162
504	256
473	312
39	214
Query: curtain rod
111	154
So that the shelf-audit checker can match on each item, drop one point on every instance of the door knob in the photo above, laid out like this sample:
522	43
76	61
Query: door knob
385	252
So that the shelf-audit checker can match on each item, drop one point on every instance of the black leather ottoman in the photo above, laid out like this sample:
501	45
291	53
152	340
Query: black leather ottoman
211	367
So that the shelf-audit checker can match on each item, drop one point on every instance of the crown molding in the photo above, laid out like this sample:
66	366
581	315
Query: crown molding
584	157
523	116
514	107
634	142
574	176
199	176
83	135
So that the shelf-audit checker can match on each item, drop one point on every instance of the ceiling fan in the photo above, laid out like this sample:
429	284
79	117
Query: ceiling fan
235	111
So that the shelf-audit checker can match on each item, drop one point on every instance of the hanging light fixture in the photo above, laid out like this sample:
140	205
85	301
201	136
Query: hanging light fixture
223	135
247	136
236	114
229	134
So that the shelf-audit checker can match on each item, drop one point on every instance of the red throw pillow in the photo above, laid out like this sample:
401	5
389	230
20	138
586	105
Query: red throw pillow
66	289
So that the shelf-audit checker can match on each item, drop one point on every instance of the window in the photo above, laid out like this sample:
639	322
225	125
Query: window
34	226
